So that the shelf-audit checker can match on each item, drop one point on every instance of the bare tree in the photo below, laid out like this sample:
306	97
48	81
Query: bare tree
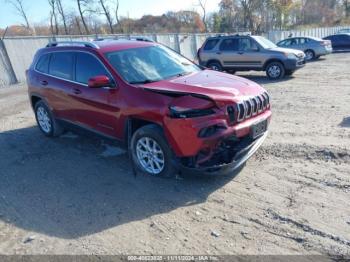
63	15
248	8
78	25
203	4
117	16
346	5
18	6
53	17
106	12
83	8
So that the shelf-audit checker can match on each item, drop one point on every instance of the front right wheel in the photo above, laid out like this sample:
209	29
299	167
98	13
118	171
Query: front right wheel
151	153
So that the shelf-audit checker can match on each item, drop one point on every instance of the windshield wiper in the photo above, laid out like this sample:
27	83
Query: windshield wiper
146	81
179	74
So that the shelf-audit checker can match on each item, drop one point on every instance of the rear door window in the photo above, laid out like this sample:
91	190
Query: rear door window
303	41
230	44
88	66
61	65
43	64
210	44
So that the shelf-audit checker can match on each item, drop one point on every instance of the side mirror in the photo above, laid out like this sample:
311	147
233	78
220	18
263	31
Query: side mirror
99	81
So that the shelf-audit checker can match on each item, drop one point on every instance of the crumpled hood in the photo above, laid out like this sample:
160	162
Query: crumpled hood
215	85
289	50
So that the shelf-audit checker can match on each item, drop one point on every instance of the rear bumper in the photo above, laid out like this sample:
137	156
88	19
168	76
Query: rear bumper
323	51
244	153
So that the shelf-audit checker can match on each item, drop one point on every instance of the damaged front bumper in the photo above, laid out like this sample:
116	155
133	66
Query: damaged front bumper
227	161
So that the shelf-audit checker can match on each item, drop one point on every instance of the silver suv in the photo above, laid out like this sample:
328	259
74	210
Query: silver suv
245	52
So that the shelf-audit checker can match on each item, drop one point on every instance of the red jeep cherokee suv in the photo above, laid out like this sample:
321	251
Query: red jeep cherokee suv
172	115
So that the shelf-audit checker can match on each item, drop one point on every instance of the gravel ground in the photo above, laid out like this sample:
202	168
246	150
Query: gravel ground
77	195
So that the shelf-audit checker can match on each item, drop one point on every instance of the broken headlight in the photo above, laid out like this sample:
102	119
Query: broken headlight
179	112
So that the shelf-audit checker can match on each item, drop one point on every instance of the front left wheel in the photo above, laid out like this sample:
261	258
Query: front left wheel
151	153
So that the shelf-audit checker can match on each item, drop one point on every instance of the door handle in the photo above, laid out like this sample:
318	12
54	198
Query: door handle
44	83
76	91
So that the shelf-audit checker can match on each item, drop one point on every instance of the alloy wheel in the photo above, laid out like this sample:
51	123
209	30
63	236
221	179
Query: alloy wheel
309	55
215	67
43	119
150	155
274	71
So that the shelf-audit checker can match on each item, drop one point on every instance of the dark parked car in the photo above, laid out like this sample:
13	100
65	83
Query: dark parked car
312	47
170	113
340	42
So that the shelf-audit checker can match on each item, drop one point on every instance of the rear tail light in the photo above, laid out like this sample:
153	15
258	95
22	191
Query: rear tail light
326	42
198	53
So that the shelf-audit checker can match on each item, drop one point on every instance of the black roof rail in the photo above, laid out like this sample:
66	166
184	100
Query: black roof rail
145	39
131	38
73	43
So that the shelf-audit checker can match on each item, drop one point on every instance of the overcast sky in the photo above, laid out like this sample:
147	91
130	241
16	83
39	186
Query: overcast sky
38	10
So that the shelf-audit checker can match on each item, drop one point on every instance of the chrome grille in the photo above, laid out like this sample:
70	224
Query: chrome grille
231	113
255	106
260	106
248	108
241	112
252	107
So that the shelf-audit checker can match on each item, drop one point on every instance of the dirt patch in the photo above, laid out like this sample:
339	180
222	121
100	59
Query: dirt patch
78	195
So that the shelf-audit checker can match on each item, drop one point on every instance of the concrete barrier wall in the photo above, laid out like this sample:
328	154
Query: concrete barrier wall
7	74
20	50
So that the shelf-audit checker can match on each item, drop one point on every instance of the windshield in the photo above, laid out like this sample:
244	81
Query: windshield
265	43
149	64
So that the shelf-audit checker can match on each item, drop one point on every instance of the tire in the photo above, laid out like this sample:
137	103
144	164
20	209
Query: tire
45	120
289	72
275	70
309	55
152	135
215	66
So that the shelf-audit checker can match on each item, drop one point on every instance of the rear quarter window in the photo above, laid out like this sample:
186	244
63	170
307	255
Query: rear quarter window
210	44
43	64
